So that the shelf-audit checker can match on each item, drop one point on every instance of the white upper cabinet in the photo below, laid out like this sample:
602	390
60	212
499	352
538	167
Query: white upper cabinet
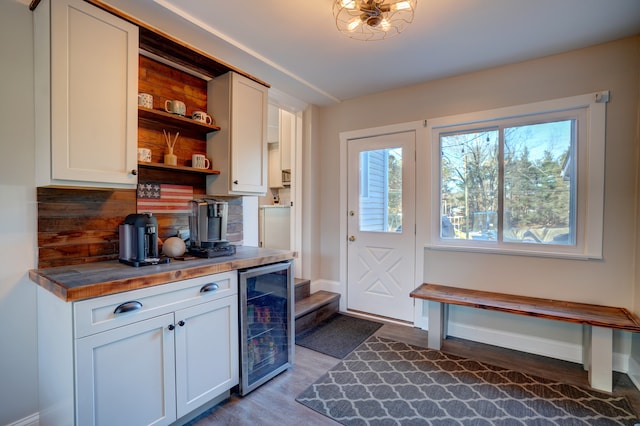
86	96
239	149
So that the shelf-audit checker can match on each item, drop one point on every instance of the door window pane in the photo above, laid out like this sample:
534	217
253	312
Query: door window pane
381	190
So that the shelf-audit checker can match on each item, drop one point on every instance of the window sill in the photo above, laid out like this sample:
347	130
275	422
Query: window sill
512	252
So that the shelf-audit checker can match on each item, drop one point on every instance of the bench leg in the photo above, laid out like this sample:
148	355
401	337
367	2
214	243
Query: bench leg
437	324
586	347
598	357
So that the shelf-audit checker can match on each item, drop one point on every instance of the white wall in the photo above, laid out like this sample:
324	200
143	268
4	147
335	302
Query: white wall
18	351
611	281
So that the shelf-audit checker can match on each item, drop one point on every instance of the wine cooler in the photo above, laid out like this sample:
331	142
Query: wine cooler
266	323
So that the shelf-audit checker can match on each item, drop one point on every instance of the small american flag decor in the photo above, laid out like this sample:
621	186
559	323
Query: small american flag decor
164	198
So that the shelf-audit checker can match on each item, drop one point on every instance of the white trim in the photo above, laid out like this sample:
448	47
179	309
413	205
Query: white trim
32	420
556	349
419	129
517	341
285	101
590	193
534	345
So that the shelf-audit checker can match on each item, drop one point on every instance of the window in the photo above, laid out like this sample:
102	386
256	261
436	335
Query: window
381	190
524	180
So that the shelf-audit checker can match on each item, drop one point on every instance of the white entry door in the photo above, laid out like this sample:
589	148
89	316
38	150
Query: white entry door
381	225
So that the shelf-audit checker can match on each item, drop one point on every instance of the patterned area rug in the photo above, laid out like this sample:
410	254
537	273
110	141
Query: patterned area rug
387	383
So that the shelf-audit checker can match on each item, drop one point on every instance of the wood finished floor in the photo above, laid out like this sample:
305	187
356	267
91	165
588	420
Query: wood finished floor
274	403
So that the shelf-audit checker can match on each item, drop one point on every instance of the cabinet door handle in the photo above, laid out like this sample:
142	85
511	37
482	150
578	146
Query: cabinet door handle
209	287
235	182
181	323
134	305
171	327
134	172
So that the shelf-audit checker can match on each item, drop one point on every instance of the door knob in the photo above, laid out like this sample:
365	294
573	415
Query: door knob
352	213
352	238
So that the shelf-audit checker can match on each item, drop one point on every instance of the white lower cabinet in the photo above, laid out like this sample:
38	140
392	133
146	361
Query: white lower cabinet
206	352
127	375
143	357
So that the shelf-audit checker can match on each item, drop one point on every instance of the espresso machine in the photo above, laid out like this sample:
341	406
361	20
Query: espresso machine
208	228
139	240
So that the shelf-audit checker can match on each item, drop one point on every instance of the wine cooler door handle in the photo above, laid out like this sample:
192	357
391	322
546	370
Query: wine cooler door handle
134	305
209	287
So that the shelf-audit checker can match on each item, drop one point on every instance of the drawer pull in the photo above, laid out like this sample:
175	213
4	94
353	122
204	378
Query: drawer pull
209	287
128	307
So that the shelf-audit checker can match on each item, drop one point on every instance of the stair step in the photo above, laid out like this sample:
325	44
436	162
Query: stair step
302	288
315	308
315	301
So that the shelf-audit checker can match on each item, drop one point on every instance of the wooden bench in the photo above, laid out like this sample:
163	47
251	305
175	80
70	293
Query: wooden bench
598	321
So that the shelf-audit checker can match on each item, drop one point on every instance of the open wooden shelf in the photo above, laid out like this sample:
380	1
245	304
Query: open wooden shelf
161	117
183	169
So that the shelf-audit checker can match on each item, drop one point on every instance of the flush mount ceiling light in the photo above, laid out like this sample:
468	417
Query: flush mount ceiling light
373	19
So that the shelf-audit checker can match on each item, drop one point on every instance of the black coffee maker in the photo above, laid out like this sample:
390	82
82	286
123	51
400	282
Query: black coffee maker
208	228
139	240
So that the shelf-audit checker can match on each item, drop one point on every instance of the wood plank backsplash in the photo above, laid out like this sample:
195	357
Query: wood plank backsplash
78	226
167	83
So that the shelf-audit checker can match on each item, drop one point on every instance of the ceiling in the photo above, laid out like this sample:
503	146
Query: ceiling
295	46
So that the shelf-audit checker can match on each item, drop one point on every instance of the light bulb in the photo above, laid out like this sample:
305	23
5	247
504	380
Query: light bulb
401	5
385	25
354	24
348	4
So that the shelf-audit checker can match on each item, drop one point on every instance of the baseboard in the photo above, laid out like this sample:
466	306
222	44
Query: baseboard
537	345
530	344
32	420
332	286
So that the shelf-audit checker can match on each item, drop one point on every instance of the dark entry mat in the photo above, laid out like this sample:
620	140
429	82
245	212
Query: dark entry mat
338	336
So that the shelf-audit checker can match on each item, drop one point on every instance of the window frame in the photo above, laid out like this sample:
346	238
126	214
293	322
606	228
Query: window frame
590	148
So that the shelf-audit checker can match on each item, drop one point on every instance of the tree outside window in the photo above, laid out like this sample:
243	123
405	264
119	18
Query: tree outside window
509	183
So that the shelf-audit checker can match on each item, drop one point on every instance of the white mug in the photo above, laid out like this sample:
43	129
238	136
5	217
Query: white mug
202	117
144	155
145	100
199	161
175	107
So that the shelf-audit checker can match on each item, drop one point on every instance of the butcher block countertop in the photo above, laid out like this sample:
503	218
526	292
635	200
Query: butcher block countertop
78	282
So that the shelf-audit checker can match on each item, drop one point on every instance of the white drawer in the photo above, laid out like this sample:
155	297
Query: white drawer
99	314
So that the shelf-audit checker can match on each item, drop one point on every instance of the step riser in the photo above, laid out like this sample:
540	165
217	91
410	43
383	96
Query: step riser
312	309
316	316
302	290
